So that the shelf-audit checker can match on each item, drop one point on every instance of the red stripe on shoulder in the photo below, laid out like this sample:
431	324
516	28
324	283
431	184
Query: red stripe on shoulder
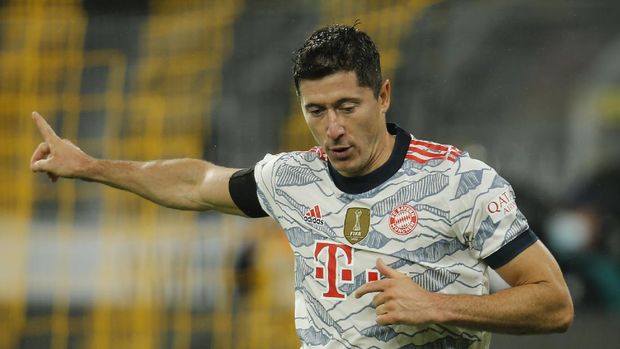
430	145
320	152
415	158
424	151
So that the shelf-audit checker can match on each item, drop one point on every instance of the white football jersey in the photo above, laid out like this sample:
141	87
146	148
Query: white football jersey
438	216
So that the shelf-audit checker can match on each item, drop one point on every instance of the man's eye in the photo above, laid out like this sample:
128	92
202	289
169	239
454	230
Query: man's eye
316	112
348	109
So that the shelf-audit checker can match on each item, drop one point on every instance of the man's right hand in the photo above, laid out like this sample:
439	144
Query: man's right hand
187	184
55	156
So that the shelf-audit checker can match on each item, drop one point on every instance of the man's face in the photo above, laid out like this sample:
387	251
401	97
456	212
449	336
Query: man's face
347	121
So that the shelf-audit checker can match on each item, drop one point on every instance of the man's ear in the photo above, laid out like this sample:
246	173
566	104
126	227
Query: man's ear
384	96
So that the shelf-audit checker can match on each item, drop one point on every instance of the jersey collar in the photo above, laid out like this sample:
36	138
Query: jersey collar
361	184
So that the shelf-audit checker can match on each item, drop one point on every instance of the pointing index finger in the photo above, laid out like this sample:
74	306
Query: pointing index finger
375	286
388	272
44	128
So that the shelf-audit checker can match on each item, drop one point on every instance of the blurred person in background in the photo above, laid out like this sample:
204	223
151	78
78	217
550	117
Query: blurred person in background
585	237
392	236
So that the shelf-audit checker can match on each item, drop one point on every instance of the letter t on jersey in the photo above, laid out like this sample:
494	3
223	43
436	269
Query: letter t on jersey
326	254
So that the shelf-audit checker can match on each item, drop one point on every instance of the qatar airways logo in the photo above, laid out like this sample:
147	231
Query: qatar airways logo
336	271
502	205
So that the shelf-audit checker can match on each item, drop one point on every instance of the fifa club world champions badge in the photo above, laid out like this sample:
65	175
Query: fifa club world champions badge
403	219
356	224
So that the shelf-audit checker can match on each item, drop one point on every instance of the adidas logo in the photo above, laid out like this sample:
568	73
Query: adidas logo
314	216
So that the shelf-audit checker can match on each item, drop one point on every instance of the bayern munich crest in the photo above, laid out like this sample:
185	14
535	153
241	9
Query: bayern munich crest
403	219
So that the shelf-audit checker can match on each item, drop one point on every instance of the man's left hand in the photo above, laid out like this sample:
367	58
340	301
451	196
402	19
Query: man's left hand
399	299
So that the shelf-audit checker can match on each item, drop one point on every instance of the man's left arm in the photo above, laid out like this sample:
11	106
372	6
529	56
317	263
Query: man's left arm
537	302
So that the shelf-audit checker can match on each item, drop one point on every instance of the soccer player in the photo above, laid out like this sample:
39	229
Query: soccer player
393	236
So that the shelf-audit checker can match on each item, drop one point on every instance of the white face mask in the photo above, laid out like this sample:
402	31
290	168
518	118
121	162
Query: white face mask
568	232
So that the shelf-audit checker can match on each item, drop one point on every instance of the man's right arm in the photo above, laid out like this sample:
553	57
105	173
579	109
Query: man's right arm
187	184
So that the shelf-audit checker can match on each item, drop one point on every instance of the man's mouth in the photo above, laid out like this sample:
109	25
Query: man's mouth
340	152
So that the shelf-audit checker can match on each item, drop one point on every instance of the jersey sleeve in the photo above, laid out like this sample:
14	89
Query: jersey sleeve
485	215
242	189
264	174
253	189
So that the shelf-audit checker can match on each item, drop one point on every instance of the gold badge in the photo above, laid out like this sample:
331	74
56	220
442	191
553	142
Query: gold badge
356	224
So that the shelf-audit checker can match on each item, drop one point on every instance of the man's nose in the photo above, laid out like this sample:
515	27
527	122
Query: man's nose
335	129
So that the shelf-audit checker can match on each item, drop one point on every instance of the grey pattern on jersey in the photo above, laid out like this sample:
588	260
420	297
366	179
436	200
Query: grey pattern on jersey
387	333
321	313
517	226
432	253
499	182
470	180
302	270
375	240
312	337
486	230
427	186
299	237
435	279
288	175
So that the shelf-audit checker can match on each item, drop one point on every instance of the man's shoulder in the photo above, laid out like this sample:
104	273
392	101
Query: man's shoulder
313	160
448	162
432	156
291	172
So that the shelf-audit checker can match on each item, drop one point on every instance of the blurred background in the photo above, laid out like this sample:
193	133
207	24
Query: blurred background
531	87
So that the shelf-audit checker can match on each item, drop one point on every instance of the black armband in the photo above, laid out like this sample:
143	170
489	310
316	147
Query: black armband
242	189
509	251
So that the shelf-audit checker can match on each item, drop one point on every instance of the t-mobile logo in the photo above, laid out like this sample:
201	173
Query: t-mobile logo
326	253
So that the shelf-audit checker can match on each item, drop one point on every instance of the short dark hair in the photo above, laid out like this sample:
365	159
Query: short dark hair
338	48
